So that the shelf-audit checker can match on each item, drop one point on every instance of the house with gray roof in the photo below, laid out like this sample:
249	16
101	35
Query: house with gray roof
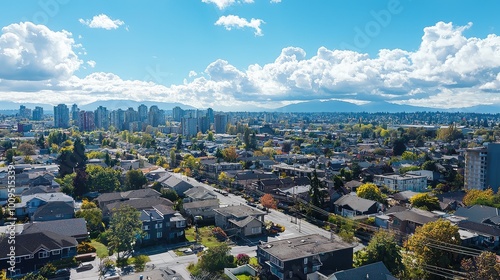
240	220
57	210
199	193
202	208
76	227
351	205
30	203
478	213
38	248
373	271
161	224
297	257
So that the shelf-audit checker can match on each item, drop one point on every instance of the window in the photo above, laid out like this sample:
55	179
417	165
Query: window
147	236
159	225
56	252
43	254
305	270
158	234
256	230
18	259
305	260
145	227
28	257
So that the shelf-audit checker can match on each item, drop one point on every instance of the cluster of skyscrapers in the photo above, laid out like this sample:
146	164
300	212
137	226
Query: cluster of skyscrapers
191	121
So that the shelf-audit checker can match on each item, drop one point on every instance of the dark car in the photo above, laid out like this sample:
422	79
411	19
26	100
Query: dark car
84	267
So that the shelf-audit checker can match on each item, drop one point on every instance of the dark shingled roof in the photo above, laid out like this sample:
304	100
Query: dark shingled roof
355	203
68	227
412	217
477	213
374	271
479	228
31	243
53	208
303	246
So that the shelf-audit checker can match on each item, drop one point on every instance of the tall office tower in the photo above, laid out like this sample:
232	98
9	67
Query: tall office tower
143	113
24	112
156	116
38	113
190	113
189	127
74	113
61	116
210	115
203	124
130	116
101	117
177	113
482	167
86	120
220	123
117	119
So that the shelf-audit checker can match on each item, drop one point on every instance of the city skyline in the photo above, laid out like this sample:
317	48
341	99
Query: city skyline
249	55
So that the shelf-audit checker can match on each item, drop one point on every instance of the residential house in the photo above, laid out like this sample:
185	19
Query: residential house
30	204
296	170
487	235
240	220
246	178
56	210
478	213
108	198
177	182
407	221
403	198
373	271
202	208
351	205
272	185
199	193
37	249
139	204
297	257
76	227
401	182
162	224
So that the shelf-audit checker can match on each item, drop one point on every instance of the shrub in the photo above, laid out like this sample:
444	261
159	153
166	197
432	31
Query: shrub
85	248
140	262
219	233
242	259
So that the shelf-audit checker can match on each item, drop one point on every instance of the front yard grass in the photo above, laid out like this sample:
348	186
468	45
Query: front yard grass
101	249
206	237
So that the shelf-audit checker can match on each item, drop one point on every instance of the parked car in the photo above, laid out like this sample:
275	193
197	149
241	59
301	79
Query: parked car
84	267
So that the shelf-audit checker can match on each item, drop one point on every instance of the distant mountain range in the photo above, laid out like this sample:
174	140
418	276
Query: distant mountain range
333	106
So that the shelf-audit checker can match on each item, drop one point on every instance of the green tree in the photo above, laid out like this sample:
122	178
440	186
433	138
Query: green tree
230	154
80	183
429	165
93	217
483	267
317	192
215	259
399	146
422	241
65	161
26	149
47	270
170	195
425	201
370	191
179	143
103	179
382	247
473	197
33	276
124	230
173	161
409	156
56	137
134	180
210	136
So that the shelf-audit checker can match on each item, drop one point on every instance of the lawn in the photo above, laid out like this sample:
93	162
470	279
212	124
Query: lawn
206	236
102	250
244	276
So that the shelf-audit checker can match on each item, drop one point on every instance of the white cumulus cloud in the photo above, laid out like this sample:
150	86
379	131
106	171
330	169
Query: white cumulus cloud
34	52
231	21
222	4
275	1
447	70
102	21
91	63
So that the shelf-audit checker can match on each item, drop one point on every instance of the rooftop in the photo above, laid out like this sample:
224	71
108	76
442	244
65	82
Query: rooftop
303	246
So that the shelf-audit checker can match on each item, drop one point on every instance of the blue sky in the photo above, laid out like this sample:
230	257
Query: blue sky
251	53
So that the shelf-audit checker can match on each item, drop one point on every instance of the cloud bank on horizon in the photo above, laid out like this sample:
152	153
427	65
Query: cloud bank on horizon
448	70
